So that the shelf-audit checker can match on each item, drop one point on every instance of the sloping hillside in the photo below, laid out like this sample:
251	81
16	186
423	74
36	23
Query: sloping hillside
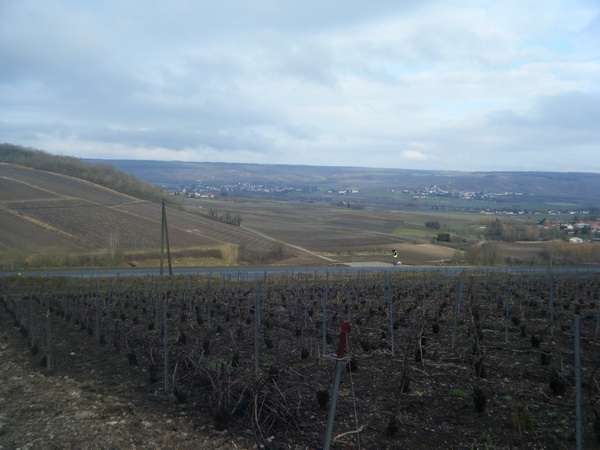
40	209
534	186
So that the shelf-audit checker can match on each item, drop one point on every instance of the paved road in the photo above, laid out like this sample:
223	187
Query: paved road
249	273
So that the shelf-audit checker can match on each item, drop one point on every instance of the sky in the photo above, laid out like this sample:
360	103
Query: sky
471	85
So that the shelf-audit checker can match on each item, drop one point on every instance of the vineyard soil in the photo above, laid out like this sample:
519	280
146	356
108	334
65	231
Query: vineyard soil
477	362
90	404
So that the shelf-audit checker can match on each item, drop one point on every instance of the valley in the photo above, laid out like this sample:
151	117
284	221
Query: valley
87	214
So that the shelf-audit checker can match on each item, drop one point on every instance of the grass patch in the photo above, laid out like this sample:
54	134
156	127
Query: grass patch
194	256
55	257
458	393
414	232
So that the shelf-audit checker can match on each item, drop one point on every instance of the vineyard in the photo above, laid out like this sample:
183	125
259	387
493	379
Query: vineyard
43	211
471	359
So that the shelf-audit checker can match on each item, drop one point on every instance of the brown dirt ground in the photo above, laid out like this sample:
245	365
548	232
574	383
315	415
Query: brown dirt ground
51	411
94	399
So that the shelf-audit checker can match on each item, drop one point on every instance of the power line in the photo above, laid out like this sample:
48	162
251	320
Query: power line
95	205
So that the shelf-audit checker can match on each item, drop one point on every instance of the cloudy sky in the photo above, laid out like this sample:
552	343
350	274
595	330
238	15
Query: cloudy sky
461	85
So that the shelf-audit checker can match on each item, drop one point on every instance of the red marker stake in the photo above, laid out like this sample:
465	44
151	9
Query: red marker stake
336	382
342	343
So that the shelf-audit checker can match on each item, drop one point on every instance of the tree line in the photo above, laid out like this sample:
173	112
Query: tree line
228	218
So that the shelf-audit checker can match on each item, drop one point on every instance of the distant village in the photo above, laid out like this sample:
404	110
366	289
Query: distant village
435	191
203	190
579	232
200	189
465	195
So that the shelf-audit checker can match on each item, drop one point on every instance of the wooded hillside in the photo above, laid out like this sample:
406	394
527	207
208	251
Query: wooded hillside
103	174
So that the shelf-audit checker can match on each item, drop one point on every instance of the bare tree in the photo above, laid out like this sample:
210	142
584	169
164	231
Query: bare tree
113	244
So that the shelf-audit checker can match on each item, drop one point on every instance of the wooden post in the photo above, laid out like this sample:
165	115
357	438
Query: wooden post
164	239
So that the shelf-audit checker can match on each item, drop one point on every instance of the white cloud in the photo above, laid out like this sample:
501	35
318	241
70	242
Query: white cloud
305	82
414	155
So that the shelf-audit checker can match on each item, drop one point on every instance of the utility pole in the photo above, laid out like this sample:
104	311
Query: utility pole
164	238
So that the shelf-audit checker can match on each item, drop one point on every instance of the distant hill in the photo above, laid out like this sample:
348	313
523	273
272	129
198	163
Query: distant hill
577	188
61	211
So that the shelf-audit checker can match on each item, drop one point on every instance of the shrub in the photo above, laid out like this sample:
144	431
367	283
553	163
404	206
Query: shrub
443	237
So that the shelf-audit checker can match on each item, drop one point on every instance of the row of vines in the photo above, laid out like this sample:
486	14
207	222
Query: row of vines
476	359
